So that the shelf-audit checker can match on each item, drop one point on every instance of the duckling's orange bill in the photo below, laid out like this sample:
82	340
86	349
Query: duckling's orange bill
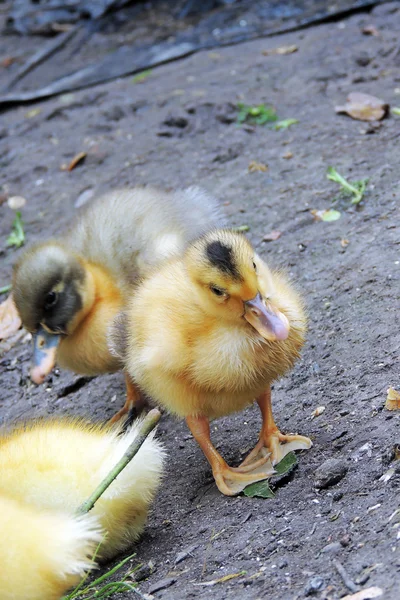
271	324
44	354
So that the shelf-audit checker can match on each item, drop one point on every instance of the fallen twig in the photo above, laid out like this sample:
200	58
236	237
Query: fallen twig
348	582
45	52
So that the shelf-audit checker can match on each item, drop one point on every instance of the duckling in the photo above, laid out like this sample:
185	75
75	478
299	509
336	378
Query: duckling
68	291
55	465
43	554
208	333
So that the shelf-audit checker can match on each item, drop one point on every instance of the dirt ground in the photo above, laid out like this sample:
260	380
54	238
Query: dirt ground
176	128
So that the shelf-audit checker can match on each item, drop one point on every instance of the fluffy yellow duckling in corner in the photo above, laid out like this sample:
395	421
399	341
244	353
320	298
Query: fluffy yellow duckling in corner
48	469
207	334
68	291
43	554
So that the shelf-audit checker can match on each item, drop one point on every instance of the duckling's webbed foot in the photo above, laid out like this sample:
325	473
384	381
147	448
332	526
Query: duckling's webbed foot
272	442
134	405
275	445
230	480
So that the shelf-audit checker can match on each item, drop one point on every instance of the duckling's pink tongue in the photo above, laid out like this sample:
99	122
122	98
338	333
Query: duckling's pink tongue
44	354
269	324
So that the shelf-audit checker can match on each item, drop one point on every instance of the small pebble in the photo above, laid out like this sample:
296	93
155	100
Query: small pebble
84	197
185	553
16	202
282	564
115	113
363	578
330	472
161	585
314	585
143	573
363	59
345	540
333	548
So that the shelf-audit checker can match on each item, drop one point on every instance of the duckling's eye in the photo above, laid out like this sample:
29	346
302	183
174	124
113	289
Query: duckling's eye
255	266
50	300
216	291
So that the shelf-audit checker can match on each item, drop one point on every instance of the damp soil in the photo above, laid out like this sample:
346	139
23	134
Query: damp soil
178	127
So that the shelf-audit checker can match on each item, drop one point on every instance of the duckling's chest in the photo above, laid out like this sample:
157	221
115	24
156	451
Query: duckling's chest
232	360
234	368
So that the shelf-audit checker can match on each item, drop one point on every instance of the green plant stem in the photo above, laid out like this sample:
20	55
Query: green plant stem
147	425
5	289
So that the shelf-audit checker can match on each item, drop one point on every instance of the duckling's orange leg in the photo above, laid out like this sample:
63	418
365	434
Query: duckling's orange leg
229	480
270	439
134	401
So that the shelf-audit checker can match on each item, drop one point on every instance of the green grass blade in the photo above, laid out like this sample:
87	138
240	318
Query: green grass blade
17	235
5	289
333	175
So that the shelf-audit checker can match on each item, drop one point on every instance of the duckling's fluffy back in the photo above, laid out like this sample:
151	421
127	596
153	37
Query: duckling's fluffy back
42	554
131	230
58	464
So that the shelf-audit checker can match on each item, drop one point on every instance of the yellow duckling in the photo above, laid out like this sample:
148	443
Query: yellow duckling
43	554
52	467
207	334
68	291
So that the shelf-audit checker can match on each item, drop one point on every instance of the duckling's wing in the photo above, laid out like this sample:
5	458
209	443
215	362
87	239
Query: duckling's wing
118	336
129	231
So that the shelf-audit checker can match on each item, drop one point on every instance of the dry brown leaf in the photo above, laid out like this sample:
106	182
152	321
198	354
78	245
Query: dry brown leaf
287	155
326	215
272	236
317	412
281	50
78	158
9	318
256	166
16	202
8	61
392	399
370	30
367	594
364	107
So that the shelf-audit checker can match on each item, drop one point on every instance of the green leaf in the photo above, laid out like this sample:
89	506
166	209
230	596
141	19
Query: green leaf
241	228
285	124
141	76
256	115
395	111
17	235
260	489
330	215
287	463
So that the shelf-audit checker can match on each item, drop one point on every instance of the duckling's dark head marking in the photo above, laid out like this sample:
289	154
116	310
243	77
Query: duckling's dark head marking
46	284
221	256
